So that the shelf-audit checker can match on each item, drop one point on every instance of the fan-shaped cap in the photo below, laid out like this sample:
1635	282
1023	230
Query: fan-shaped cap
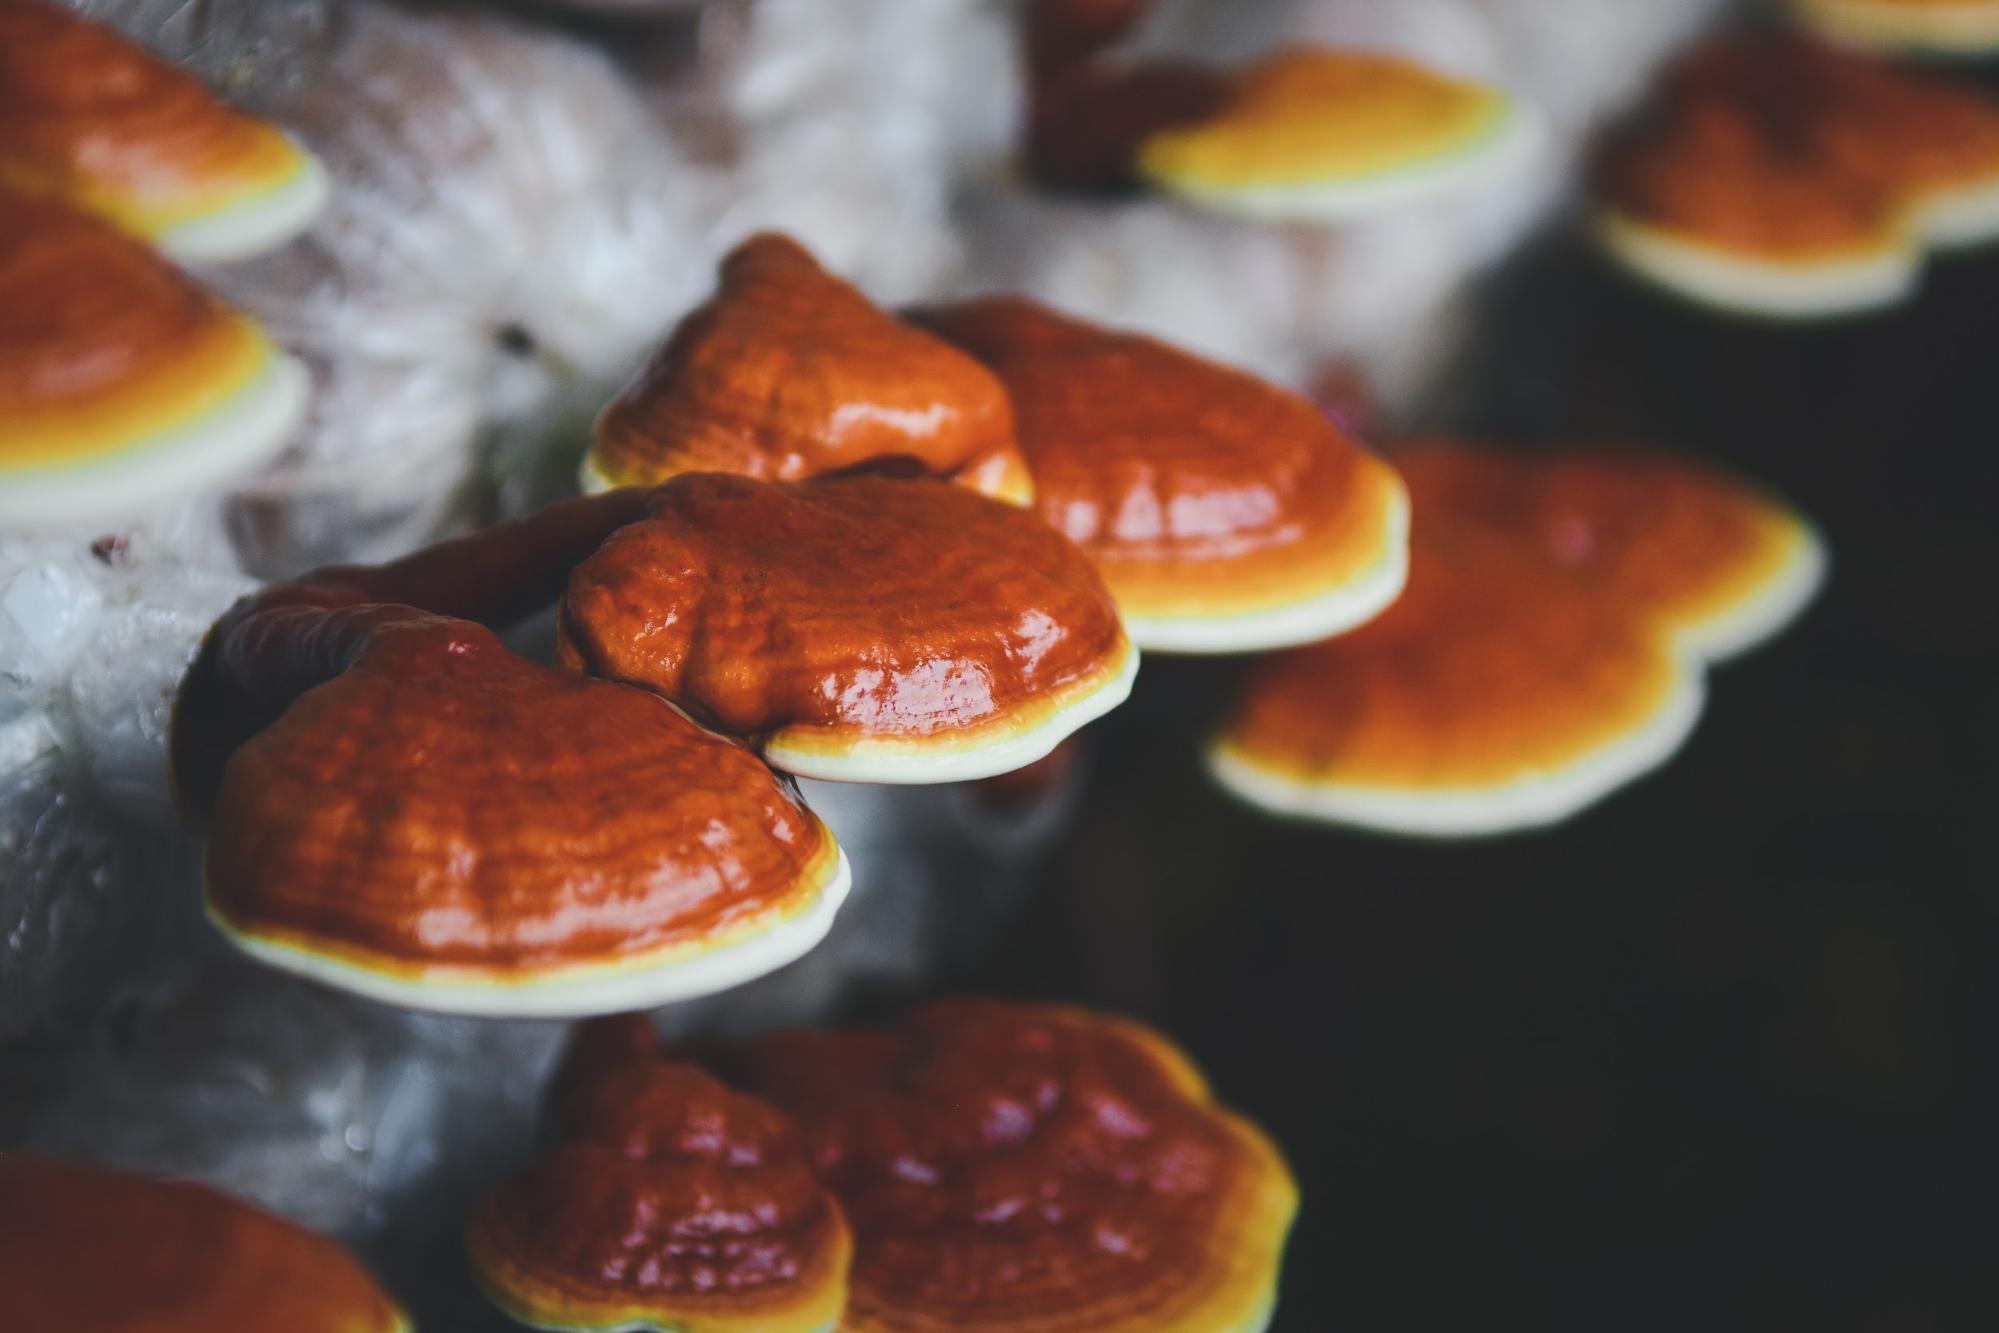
1948	27
89	115
789	372
1786	179
404	809
1009	1168
123	383
868	629
82	1247
1548	649
1319	134
667	1202
1226	514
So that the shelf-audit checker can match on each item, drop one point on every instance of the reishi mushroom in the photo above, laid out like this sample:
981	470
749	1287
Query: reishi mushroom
401	807
668	1201
1308	134
859	628
86	1248
788	372
1945	27
1549	649
1226	514
1786	179
1320	134
1004	1168
94	118
123	382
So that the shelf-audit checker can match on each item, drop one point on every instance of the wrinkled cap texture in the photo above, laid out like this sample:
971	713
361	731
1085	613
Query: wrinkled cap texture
866	628
1225	513
789	372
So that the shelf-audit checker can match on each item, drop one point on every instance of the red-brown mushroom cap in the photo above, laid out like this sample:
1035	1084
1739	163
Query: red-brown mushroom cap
405	809
101	1251
1087	123
1018	1169
667	1202
95	118
788	372
1782	178
1226	514
860	628
1548	650
123	383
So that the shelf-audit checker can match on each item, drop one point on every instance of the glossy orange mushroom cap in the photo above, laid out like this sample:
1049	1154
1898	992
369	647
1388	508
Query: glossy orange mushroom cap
1226	514
96	119
858	628
668	1202
123	383
1010	1168
788	373
86	1248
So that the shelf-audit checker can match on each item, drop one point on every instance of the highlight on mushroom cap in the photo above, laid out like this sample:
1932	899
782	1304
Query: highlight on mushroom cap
858	628
789	372
86	1248
1785	179
1226	514
1942	27
1003	1167
1320	133
1549	650
90	116
668	1202
123	382
398	801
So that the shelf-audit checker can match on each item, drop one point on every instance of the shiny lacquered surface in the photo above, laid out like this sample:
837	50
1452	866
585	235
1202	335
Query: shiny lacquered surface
901	619
668	1201
86	1248
1548	648
1011	1167
789	372
401	806
105	347
93	117
1205	495
1324	115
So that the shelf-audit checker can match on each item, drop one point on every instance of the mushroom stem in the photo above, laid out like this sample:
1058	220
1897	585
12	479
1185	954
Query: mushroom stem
274	645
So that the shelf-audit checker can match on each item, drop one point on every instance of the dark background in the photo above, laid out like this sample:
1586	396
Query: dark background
1716	1053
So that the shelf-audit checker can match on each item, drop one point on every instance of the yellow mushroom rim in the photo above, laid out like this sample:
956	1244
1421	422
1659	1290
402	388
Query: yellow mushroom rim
749	948
1321	134
214	407
1941	27
1874	273
1006	742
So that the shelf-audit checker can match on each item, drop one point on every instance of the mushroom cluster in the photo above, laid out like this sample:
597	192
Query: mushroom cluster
1551	646
980	1165
403	807
83	1247
1306	134
1785	179
126	382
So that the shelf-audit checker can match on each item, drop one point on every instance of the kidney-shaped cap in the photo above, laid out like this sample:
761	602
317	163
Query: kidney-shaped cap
860	628
1226	514
123	382
93	117
788	372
